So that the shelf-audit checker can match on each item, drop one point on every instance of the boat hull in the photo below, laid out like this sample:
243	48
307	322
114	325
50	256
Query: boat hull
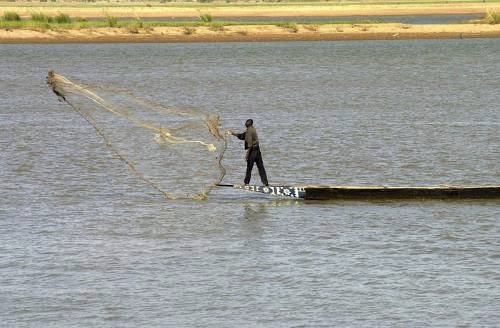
318	192
282	191
367	193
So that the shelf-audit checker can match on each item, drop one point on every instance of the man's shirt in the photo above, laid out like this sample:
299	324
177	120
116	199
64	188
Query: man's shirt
250	137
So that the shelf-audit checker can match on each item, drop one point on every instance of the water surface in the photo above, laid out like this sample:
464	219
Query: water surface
84	243
407	19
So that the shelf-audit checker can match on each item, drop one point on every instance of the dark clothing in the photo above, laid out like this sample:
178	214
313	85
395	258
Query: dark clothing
250	137
253	155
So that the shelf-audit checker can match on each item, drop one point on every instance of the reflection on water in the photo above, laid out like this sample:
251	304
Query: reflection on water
256	212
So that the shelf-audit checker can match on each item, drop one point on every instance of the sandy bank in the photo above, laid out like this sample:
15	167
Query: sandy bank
252	33
263	10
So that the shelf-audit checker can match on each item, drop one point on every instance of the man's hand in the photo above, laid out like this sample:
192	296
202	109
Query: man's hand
229	133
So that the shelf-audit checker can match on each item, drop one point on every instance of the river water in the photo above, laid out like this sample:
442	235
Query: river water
85	243
406	19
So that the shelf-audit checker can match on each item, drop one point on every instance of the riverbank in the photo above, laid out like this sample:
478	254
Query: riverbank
152	22
234	33
222	10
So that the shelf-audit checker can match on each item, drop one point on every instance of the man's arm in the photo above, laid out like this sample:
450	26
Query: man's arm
240	136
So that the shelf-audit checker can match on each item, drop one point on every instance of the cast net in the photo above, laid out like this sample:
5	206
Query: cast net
178	152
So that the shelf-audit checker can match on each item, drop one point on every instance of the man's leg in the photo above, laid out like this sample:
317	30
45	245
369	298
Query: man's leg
260	166
250	161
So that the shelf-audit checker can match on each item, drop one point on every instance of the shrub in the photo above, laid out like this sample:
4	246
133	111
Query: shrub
206	18
492	18
42	18
111	21
11	16
290	27
137	23
62	19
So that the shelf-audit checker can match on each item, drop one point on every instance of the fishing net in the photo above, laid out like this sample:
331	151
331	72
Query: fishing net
176	151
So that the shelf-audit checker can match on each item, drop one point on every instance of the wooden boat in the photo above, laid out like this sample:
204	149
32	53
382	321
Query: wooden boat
319	192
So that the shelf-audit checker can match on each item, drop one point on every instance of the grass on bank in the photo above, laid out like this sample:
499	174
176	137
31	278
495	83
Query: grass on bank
38	21
11	16
206	18
492	18
62	19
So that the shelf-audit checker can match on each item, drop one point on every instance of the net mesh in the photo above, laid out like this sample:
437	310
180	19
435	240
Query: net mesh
178	152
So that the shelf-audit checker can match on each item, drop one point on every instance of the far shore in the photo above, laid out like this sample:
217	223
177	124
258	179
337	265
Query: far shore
190	10
80	28
242	33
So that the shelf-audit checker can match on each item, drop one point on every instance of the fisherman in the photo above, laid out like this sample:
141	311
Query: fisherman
253	154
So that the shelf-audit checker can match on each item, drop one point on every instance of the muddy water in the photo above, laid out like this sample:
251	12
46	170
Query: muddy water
84	243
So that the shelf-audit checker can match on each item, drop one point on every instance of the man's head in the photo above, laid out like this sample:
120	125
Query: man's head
249	122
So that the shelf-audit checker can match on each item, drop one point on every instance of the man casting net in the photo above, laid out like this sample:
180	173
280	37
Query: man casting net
176	151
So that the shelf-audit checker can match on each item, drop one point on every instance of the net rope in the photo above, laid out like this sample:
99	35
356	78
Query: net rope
190	135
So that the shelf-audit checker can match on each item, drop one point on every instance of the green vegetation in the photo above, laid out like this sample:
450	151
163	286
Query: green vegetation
137	23
289	26
62	19
111	21
216	27
206	18
37	21
10	16
42	18
492	18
